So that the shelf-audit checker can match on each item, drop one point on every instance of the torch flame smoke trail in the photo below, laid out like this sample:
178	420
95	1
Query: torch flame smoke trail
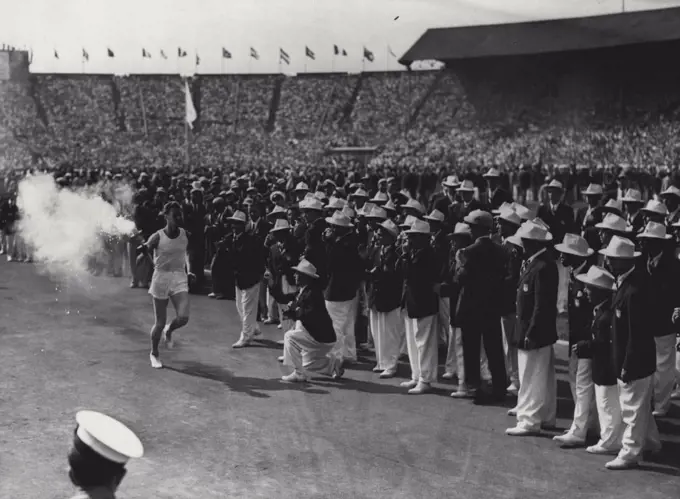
66	228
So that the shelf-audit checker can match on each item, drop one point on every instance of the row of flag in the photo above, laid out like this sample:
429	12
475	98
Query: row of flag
284	57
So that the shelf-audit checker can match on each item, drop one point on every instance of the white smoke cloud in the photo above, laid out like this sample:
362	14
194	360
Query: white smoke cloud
65	228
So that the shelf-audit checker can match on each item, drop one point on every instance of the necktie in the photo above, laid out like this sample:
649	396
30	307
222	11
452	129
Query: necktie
525	264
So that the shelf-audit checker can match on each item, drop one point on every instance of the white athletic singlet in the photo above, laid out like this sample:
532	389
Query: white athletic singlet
170	255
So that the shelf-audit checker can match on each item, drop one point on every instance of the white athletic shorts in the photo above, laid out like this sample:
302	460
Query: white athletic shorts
167	284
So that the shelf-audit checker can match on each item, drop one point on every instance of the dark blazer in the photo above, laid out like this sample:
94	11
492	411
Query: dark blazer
420	274
560	222
633	348
385	283
309	308
481	274
498	197
579	310
461	211
345	269
247	260
664	290
282	257
638	222
598	346
537	304
514	265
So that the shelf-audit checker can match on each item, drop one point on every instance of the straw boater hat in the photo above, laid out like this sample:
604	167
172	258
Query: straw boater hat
462	229
632	196
614	223
655	230
349	212
419	227
321	196
311	204
510	216
301	187
238	216
305	267
555	184
492	173
336	203
377	213
276	194
593	190
534	231
359	193
620	247
613	206
435	216
280	225
366	209
504	207
466	186
408	222
278	210
524	212
389	206
598	277
671	191
574	245
380	198
451	181
657	207
339	219
479	217
390	227
107	437
412	204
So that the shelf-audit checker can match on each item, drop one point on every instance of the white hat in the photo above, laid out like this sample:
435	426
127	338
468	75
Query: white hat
389	206
359	193
598	277
435	216
336	203
277	209
276	194
380	197
320	195
671	191
620	247
612	221
339	219
408	221
305	267
462	229
492	173
524	212
302	187
281	224
593	190
504	207
467	186
574	245
377	212
657	207
632	196
390	227
614	205
311	204
510	216
555	184
534	231
655	230
451	181
347	211
479	217
541	223
309	195
238	216
366	209
419	227
108	437
414	205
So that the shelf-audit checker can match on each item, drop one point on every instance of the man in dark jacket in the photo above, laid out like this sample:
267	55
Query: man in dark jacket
536	332
247	261
307	346
633	353
194	222
497	195
663	272
481	275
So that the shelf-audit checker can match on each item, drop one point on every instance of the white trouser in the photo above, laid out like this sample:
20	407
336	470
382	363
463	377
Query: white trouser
421	342
639	430
508	324
344	315
302	352
443	319
387	334
563	288
272	307
404	316
665	375
609	416
537	397
583	392
455	359
247	301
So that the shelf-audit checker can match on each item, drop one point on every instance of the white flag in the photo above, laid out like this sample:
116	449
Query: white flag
191	110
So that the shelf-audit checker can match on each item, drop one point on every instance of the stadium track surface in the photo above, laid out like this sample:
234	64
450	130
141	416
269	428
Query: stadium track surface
218	423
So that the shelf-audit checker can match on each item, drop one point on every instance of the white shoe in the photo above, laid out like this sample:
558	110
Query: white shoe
241	344
420	388
155	361
448	375
512	412
169	342
603	451
295	377
464	393
570	440
377	369
520	431
676	394
388	373
280	326
280	359
621	464
408	384
9	258
512	389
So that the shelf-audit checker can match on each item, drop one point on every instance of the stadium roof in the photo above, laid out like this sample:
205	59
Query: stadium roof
538	37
